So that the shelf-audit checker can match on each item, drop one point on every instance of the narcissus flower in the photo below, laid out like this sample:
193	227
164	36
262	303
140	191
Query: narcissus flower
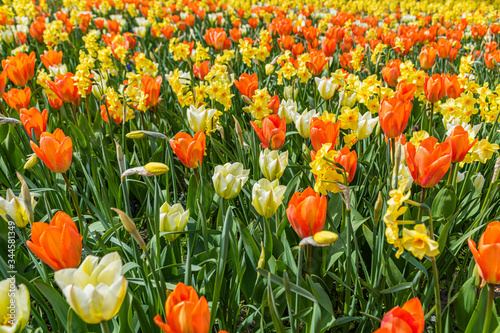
394	115
185	312
173	219
20	68
247	84
408	319
267	197
18	98
487	254
56	150
189	149
429	162
16	299
96	289
273	164
34	120
273	131
419	243
57	244
307	212
460	145
229	179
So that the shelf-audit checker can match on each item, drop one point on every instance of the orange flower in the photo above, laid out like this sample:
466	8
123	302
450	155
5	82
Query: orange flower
217	38
273	131
116	116
151	87
286	42
452	86
35	120
297	50
64	87
429	162
427	57
349	160
51	58
247	84
167	31
56	102
391	72
323	132
189	149
328	46
491	59
56	150
460	146
113	26
408	319
443	48
434	88
405	91
20	68
185	312
235	34
307	212
487	254
57	244
18	99
37	28
3	82
317	62
201	71
393	115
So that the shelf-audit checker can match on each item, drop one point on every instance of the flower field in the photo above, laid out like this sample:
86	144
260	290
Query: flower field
233	166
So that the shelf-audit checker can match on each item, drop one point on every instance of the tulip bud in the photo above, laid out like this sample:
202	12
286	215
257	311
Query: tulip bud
262	258
267	197
130	226
479	182
16	306
135	135
31	162
269	69
156	168
273	164
377	210
229	179
173	218
290	93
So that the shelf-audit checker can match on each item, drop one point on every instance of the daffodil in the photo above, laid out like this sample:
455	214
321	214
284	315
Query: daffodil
419	243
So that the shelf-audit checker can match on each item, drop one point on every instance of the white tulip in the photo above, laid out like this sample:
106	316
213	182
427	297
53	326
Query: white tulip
303	122
229	179
366	124
288	109
273	164
199	118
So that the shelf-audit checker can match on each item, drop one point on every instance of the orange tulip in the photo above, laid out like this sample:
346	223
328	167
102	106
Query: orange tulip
487	254
217	38
491	59
3	82
37	28
273	131
323	132
348	160
51	58
434	88
307	212
391	72
33	119
393	115
56	102
297	50
286	42
202	70
460	146
18	99
235	34
443	48
408	319
189	149
151	87
247	84
20	68
167	31
427	57
405	91
185	312
328	46
317	61
114	113
452	86
429	162
57	244
56	150
64	87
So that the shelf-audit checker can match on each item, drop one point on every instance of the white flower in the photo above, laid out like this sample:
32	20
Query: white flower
273	164
173	218
229	179
288	109
325	87
366	125
303	122
199	118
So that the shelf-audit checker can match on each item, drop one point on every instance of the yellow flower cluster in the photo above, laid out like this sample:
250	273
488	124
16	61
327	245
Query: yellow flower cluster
327	174
54	34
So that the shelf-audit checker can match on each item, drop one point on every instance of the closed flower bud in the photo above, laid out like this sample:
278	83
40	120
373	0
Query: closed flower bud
173	218
269	69
267	197
320	239
478	182
377	210
273	164
135	135
290	93
199	118
156	168
131	228
288	109
262	258
31	162
229	179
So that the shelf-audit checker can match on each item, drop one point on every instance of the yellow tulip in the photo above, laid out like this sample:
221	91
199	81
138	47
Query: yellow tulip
14	306
173	218
96	289
267	197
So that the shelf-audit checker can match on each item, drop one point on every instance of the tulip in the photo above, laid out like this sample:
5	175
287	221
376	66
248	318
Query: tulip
56	150
57	244
303	122
96	289
267	197
56	102
317	61
408	319
34	120
478	182
99	87
18	99
229	179
405	91
323	132
487	253
189	150
434	88
151	88
173	219
14	306
429	162
348	160
64	86
366	124
185	312
394	115
288	109
273	131
3	81
51	58
391	72
269	69
202	70
427	57
272	164
328	46
325	87
199	118
217	38
19	209
307	212
459	142
20	68
452	86
247	84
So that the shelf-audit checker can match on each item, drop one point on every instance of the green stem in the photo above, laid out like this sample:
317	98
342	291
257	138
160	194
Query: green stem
75	203
430	119
299	273
422	199
435	273
451	173
489	308
309	255
104	327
